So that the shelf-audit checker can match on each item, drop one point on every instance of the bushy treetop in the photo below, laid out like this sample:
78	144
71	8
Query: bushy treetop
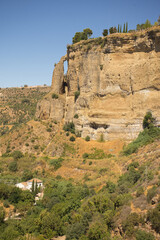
82	35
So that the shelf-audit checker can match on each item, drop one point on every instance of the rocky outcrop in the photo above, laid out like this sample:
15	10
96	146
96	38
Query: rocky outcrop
118	78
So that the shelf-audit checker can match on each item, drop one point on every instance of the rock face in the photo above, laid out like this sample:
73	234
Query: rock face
118	78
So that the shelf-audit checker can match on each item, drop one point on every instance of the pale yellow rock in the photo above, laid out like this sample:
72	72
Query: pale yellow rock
118	83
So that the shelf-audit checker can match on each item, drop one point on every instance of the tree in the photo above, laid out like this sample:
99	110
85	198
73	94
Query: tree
33	186
97	231
13	166
118	28
112	30
158	21
154	217
141	235
17	154
82	35
27	175
145	25
105	32
77	37
88	32
148	24
2	215
148	120
36	188
124	28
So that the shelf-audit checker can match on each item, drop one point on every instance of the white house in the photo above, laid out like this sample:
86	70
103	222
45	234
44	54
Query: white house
28	185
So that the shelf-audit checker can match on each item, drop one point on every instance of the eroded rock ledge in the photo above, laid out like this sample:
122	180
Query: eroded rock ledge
118	78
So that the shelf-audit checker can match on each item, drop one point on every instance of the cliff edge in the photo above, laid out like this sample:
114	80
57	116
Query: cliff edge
111	83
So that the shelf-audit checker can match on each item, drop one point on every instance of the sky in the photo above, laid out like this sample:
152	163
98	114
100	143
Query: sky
34	33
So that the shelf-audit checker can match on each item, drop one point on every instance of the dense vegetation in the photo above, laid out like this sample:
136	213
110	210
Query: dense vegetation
82	35
77	211
148	135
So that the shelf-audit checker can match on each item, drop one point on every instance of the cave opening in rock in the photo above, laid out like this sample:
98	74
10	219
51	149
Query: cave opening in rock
64	87
98	125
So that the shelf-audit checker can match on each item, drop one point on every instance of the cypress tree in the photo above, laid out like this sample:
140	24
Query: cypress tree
32	186
126	27
118	28
36	189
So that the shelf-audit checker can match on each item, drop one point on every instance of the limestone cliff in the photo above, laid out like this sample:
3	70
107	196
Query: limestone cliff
118	78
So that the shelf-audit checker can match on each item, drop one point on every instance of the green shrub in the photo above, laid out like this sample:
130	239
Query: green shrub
2	215
36	147
76	116
97	231
89	47
76	95
27	144
103	171
17	154
13	166
57	163
101	67
98	41
75	230
27	175
133	164
85	155
151	193
128	179
67	134
148	120
54	96
87	138
90	163
154	217
105	32
144	138
72	139
142	235
122	199
78	134
49	130
97	154
150	175
111	187
128	225
69	127
26	100
101	139
6	204
140	191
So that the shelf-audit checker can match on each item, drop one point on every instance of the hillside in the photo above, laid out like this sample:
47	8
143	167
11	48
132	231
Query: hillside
84	179
74	138
18	105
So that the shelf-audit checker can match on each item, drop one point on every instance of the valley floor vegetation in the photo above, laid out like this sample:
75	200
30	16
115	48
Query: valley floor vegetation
82	212
124	207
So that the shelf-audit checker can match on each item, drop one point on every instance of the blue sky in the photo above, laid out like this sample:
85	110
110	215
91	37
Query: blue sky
34	33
